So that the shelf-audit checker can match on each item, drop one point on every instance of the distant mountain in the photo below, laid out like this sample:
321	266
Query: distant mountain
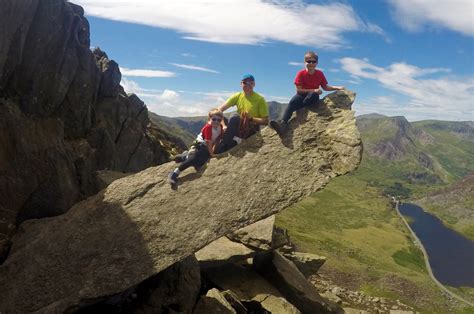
173	127
454	204
413	158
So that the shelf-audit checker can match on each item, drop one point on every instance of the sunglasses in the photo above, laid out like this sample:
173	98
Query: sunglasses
216	119
311	61
247	82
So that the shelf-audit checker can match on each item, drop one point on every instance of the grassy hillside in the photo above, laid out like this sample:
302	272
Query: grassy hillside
173	127
454	205
367	246
352	223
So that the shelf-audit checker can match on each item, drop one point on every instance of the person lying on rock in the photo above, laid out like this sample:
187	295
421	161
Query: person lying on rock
309	82
252	111
203	147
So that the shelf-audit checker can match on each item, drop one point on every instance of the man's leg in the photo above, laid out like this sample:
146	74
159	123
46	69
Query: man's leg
295	103
311	99
232	130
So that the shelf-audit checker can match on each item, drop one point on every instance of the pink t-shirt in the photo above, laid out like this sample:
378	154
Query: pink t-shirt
310	81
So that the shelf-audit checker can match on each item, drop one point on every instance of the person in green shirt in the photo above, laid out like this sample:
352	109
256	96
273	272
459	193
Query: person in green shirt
252	111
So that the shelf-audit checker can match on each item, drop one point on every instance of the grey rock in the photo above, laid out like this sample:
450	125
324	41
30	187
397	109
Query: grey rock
138	226
222	251
258	235
208	305
292	284
176	288
234	302
54	95
216	294
307	263
277	305
332	297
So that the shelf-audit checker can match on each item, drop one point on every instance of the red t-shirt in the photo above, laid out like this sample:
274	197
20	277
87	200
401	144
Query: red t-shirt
310	81
208	134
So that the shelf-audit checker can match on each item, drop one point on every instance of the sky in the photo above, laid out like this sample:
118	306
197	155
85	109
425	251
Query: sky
413	58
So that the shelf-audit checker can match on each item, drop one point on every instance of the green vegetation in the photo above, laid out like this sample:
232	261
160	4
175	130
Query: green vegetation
357	228
353	224
411	258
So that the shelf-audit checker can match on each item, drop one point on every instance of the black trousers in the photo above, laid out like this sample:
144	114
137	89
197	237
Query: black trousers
197	159
232	130
299	101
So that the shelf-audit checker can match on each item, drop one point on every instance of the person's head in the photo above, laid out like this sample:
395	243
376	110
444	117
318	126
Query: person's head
248	83
311	60
215	117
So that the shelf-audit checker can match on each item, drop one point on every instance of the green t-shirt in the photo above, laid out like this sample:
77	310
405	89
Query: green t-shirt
255	105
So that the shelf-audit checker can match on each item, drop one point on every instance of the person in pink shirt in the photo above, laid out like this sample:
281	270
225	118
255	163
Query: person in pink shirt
308	82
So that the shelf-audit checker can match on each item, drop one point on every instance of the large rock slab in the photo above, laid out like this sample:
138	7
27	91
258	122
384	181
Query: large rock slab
63	114
138	226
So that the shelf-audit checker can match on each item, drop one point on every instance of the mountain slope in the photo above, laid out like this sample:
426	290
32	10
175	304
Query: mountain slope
414	158
454	205
352	223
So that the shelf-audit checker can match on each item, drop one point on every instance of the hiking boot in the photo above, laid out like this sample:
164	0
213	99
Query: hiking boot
172	178
181	157
279	126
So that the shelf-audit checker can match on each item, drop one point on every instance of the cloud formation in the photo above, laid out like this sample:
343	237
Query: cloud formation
146	73
193	67
235	22
414	15
447	97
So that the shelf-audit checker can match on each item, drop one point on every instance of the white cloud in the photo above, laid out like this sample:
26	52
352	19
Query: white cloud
456	15
445	97
299	64
240	22
146	73
176	103
193	67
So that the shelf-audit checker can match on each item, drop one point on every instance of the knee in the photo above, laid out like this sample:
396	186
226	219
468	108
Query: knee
234	119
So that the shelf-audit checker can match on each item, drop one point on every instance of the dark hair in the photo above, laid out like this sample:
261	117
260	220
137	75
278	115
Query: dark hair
311	54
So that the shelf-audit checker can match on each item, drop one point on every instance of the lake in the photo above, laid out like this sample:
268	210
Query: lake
451	255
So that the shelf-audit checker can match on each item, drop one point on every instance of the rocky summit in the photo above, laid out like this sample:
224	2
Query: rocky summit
138	226
63	114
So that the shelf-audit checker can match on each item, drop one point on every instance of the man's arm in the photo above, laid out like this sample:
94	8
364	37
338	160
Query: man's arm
224	107
260	121
301	90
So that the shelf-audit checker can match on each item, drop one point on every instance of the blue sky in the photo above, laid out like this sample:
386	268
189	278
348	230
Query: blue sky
401	57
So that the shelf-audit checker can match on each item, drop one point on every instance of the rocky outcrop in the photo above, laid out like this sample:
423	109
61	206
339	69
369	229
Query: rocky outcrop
138	226
63	114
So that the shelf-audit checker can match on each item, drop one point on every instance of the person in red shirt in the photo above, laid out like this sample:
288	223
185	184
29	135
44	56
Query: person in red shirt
203	147
308	82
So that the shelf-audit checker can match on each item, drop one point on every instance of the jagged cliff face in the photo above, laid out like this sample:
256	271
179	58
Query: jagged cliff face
138	226
63	114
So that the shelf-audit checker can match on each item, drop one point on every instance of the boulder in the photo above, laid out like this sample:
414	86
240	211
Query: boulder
63	114
258	235
208	305
222	251
138	226
291	283
176	288
307	263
